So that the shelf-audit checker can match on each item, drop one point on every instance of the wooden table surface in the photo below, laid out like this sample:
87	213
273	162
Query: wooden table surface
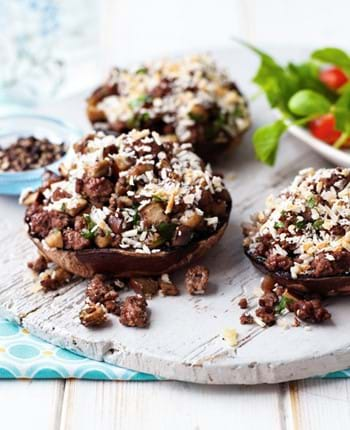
89	405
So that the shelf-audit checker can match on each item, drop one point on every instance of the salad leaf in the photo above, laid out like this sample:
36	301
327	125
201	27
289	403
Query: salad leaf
342	113
276	82
298	93
334	56
308	103
265	141
307	74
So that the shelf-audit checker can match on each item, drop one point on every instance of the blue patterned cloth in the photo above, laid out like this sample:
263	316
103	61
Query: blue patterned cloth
25	356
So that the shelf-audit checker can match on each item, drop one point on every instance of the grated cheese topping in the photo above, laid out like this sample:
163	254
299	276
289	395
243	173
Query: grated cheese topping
167	177
171	91
308	223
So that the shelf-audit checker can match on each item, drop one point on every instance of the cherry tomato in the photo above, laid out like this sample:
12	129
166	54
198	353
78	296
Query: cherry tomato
333	78
324	128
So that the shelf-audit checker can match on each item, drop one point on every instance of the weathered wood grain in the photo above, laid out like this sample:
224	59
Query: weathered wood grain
173	405
31	405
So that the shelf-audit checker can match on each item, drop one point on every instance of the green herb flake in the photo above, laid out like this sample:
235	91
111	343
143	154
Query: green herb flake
300	225
88	234
136	217
141	70
279	224
283	304
311	202
166	230
317	224
140	101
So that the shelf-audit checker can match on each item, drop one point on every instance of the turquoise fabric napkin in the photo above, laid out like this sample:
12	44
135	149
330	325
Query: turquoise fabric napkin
23	355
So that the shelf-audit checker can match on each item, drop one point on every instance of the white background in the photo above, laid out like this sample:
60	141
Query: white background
134	28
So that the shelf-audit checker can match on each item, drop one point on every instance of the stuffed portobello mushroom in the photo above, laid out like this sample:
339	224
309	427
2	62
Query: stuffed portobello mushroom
302	239
189	98
128	205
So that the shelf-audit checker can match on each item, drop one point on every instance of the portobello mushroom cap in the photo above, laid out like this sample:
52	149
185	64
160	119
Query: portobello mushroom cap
302	239
130	206
305	284
190	99
124	264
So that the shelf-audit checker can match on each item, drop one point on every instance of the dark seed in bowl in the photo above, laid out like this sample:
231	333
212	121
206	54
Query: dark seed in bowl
29	153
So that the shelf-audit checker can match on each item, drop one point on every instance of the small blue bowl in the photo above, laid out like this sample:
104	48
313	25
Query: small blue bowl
15	126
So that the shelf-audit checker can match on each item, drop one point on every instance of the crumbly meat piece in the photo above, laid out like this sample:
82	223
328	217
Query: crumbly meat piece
51	279
97	189
167	287
147	287
93	315
99	290
266	316
38	265
246	318
311	311
196	279
243	303
74	240
133	312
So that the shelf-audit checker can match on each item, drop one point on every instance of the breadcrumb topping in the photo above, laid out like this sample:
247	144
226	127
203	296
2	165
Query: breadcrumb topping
306	228
133	192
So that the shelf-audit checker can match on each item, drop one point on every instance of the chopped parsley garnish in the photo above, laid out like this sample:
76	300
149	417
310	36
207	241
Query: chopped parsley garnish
311	202
136	217
88	234
89	222
279	224
213	129
90	231
138	120
166	230
317	224
283	304
238	112
140	101
63	207
141	71
300	224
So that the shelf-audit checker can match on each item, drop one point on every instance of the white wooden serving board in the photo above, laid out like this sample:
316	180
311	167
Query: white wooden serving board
184	339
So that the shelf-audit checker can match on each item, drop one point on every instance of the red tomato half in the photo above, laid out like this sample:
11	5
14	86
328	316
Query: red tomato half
333	78
324	128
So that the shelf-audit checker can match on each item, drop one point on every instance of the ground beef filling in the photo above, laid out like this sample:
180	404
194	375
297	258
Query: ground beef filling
190	99
131	192
306	229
